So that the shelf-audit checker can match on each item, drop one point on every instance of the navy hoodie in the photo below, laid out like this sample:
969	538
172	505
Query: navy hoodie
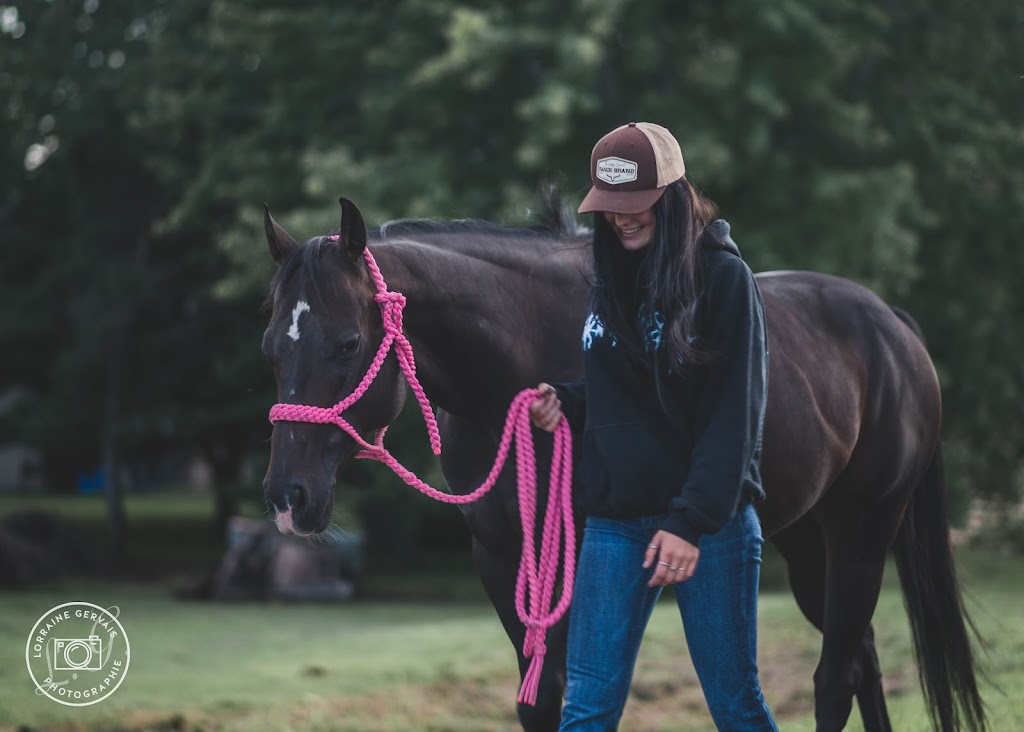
695	458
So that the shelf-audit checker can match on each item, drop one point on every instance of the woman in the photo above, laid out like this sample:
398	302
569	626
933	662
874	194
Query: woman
671	407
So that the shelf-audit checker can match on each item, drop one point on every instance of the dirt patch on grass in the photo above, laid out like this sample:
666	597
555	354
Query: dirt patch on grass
665	695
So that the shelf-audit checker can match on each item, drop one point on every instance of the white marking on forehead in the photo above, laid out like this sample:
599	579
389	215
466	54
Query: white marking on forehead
300	307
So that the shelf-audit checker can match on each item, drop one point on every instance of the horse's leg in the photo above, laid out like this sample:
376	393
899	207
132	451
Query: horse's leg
857	538
498	573
803	548
870	694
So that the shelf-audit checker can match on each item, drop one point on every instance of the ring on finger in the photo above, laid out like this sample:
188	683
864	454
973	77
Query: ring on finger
664	564
652	546
674	569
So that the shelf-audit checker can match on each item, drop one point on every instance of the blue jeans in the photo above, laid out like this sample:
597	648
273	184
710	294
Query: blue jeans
612	604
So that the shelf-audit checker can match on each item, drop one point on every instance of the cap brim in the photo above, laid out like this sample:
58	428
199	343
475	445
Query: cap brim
623	202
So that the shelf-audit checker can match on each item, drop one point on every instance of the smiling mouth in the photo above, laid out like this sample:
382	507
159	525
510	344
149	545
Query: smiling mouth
630	232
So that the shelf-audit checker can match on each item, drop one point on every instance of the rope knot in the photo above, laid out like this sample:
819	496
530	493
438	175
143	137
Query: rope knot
392	305
533	644
390	297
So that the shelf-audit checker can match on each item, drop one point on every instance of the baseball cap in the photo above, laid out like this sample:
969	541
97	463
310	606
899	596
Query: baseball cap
630	168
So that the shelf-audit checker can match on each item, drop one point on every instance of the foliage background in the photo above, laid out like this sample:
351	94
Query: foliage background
881	140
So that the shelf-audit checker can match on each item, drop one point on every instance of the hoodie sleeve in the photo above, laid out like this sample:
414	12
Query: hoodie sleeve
729	412
574	403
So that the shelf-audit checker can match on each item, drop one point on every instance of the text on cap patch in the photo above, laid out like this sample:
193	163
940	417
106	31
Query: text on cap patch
616	170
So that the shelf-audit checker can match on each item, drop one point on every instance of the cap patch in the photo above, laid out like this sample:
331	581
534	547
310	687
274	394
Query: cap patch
616	170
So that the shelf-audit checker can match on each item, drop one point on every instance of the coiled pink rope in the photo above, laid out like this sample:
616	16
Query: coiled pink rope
537	570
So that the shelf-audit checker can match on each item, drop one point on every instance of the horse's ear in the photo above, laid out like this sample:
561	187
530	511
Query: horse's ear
280	241
352	234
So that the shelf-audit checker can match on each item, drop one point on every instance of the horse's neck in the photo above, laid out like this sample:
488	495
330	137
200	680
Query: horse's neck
482	331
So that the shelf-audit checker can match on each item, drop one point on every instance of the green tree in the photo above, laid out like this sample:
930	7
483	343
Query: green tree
950	89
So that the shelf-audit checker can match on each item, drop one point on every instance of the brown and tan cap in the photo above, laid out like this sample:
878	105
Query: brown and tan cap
630	168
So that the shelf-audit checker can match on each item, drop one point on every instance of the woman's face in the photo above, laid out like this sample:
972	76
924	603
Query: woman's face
635	231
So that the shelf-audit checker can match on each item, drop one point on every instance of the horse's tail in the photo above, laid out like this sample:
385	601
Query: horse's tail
940	624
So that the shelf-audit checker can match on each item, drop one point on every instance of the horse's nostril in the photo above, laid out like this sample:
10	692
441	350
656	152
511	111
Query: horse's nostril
291	498
295	495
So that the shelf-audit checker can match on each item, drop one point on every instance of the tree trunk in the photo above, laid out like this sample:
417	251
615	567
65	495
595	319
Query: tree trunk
226	463
111	484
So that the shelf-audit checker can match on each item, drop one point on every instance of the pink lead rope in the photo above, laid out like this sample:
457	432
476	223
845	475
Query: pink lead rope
537	572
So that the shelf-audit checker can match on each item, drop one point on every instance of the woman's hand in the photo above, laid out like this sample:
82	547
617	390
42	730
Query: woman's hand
546	410
674	559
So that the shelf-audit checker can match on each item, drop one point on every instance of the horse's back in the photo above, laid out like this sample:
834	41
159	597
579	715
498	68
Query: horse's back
850	386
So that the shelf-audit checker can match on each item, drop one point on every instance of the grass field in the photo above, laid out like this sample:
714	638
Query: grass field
445	665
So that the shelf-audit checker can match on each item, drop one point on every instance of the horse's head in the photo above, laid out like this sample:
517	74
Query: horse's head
324	332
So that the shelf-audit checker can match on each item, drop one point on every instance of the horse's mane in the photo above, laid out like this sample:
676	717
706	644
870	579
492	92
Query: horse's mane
557	228
411	227
305	260
554	218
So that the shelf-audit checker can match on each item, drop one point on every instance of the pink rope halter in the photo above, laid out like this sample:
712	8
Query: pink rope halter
537	571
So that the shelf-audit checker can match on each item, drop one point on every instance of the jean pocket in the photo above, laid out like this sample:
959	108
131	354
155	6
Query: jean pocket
632	529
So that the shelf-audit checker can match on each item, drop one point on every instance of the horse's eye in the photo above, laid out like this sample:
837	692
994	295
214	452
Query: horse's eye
348	347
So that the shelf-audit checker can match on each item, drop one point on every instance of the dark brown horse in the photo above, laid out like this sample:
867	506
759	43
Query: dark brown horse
852	464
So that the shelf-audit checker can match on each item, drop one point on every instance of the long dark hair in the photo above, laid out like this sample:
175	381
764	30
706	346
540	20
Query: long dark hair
663	278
